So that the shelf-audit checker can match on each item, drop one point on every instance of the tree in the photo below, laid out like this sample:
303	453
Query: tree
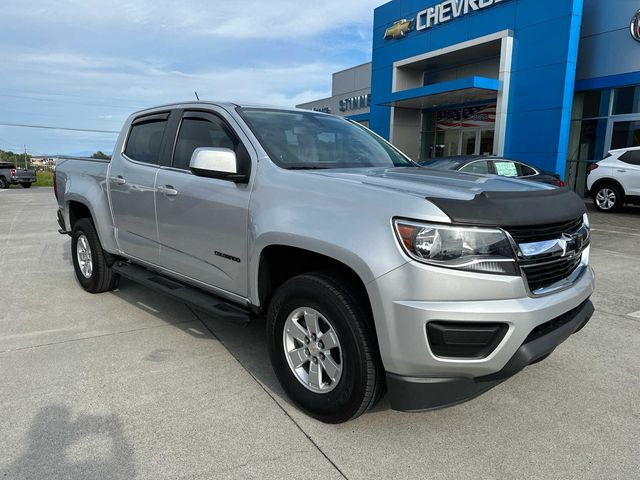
101	155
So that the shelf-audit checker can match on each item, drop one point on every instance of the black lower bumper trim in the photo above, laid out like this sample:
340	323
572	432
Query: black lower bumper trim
412	394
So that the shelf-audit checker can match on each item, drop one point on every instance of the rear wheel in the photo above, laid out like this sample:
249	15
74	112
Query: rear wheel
607	198
90	261
323	349
26	185
4	183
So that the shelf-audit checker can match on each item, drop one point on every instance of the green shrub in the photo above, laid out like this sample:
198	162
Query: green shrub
44	178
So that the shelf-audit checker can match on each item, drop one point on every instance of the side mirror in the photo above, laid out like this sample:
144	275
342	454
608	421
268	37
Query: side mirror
216	163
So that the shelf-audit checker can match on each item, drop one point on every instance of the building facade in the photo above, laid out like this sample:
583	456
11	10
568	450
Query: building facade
555	83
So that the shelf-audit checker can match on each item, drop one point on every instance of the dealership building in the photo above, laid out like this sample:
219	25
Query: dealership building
555	83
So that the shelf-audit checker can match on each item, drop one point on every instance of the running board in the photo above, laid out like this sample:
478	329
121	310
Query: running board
194	296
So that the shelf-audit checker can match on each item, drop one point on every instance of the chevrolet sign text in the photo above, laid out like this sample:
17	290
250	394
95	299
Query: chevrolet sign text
450	10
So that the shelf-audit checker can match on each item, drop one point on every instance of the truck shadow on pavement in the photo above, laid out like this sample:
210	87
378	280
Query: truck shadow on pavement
63	446
245	342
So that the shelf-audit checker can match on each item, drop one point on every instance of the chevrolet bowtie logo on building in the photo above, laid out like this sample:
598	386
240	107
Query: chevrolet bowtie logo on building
635	26
399	29
441	13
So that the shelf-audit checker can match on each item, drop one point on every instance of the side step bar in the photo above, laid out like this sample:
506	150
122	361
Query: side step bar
185	293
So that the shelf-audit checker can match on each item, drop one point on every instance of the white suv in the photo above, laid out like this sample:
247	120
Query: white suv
615	180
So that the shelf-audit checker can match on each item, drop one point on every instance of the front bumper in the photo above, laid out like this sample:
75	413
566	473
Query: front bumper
409	298
420	394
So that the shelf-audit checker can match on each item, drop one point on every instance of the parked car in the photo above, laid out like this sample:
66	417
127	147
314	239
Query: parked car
372	273
10	175
615	180
494	166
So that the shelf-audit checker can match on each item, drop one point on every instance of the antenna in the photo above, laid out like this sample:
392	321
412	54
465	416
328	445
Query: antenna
196	94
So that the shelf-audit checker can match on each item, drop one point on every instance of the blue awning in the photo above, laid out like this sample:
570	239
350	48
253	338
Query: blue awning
454	92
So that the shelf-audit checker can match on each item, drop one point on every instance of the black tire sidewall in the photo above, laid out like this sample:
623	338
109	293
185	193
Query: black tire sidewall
102	278
345	400
4	183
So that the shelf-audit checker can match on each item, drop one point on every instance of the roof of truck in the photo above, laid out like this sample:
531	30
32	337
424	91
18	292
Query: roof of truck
227	104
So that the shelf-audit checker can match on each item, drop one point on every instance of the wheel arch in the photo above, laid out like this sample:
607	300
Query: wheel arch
605	181
278	263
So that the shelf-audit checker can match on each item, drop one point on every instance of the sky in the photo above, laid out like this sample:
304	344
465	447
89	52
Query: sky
90	63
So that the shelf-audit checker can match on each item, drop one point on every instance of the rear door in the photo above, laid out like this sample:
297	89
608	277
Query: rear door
132	187
202	222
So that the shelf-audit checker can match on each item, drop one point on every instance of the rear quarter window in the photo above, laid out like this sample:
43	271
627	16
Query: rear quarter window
631	157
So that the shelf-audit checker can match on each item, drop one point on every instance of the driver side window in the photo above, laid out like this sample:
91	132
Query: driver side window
198	132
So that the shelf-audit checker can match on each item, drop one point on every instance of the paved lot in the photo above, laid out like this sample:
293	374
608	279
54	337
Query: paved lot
131	384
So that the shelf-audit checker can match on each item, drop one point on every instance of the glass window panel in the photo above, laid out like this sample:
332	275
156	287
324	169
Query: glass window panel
469	142
506	169
587	139
486	142
591	104
476	167
625	134
145	140
626	100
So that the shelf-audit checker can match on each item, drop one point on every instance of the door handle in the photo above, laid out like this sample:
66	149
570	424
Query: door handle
622	171
168	190
120	180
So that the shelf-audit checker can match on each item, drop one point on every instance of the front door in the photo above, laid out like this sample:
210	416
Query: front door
202	222
132	188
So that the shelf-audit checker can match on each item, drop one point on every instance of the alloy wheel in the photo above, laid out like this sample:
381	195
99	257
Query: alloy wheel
606	198
83	252
313	350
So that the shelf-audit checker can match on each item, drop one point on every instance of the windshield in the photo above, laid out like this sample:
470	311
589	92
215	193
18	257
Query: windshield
308	140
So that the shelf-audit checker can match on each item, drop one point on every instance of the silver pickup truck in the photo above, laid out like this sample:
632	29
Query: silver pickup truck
373	273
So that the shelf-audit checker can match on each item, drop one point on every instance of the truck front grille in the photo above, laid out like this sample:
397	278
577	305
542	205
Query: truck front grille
544	275
543	232
547	269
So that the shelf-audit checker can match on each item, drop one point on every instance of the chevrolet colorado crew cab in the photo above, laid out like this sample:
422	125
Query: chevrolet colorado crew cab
374	274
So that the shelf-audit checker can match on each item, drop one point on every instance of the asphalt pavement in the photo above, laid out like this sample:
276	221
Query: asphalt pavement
131	384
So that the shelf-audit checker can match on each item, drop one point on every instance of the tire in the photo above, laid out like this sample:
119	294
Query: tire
608	197
96	275
3	183
26	185
361	379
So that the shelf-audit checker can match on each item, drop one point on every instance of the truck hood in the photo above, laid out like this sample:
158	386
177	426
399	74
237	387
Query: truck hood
473	199
428	183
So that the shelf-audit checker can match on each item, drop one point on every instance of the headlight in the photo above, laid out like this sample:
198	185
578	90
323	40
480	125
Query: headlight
585	220
463	248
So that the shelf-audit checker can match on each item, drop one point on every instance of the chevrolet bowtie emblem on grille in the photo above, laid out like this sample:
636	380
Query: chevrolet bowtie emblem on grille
568	244
399	29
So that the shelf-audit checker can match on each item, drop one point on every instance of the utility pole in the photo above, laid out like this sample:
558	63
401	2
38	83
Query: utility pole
25	158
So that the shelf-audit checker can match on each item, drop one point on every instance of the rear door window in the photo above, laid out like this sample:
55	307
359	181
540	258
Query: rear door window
145	139
505	168
481	167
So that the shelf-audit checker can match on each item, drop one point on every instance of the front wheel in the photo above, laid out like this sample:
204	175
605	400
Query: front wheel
607	198
322	347
90	261
26	185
